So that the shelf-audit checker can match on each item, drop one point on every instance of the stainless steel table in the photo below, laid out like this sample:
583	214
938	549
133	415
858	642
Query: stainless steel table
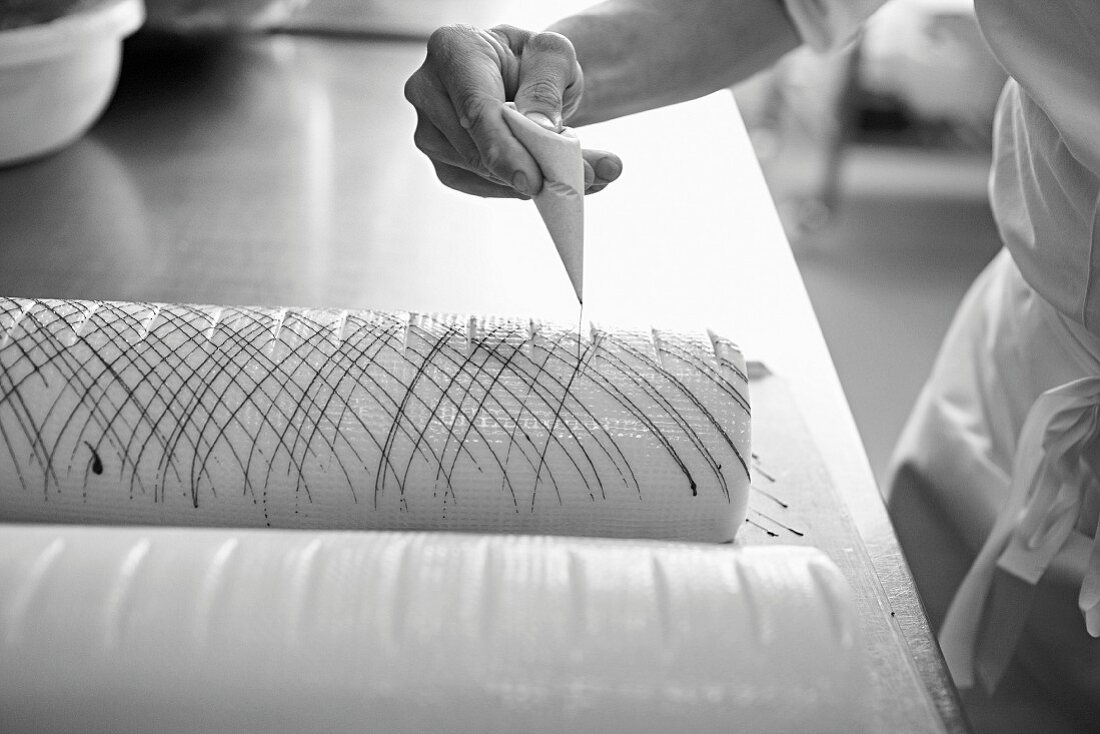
280	170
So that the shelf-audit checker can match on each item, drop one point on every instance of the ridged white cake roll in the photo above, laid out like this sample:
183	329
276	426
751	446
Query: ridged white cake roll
171	630
198	415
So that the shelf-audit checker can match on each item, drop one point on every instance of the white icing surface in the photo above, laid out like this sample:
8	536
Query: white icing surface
203	415
138	629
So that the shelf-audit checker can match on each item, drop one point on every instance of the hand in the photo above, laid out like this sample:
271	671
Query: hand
458	94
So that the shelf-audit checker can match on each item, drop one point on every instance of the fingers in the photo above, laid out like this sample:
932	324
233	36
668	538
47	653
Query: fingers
469	182
468	63
501	154
454	147
437	129
459	92
550	79
600	169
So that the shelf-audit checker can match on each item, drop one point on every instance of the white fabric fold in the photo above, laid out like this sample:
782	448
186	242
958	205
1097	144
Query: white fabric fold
1089	599
1053	472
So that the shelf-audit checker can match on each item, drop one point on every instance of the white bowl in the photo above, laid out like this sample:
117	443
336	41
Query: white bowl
57	77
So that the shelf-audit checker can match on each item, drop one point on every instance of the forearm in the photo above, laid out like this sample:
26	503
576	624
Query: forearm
641	54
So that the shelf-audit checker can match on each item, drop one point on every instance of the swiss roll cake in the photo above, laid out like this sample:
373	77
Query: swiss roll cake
211	629
140	413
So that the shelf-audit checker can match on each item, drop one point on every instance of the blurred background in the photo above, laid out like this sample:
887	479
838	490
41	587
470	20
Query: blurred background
877	157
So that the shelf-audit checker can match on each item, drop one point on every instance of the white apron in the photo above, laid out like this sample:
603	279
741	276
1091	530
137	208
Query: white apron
999	462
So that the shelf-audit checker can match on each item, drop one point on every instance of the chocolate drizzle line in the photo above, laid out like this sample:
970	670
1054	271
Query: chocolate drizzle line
187	400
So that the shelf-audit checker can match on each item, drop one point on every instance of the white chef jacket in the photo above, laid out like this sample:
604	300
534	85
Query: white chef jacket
1002	451
1045	184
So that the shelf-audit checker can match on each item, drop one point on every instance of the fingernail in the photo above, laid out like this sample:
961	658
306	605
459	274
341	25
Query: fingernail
608	168
519	183
543	120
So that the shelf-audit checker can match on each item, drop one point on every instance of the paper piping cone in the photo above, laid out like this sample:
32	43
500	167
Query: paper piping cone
561	200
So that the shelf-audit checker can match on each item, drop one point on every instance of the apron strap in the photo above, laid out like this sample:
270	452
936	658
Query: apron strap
1051	474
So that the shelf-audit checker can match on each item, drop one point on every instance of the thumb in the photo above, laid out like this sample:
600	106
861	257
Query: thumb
550	79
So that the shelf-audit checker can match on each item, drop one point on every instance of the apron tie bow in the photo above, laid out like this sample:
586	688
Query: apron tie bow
1055	467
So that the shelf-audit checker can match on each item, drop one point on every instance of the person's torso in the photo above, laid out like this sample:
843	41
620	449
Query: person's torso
1045	184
